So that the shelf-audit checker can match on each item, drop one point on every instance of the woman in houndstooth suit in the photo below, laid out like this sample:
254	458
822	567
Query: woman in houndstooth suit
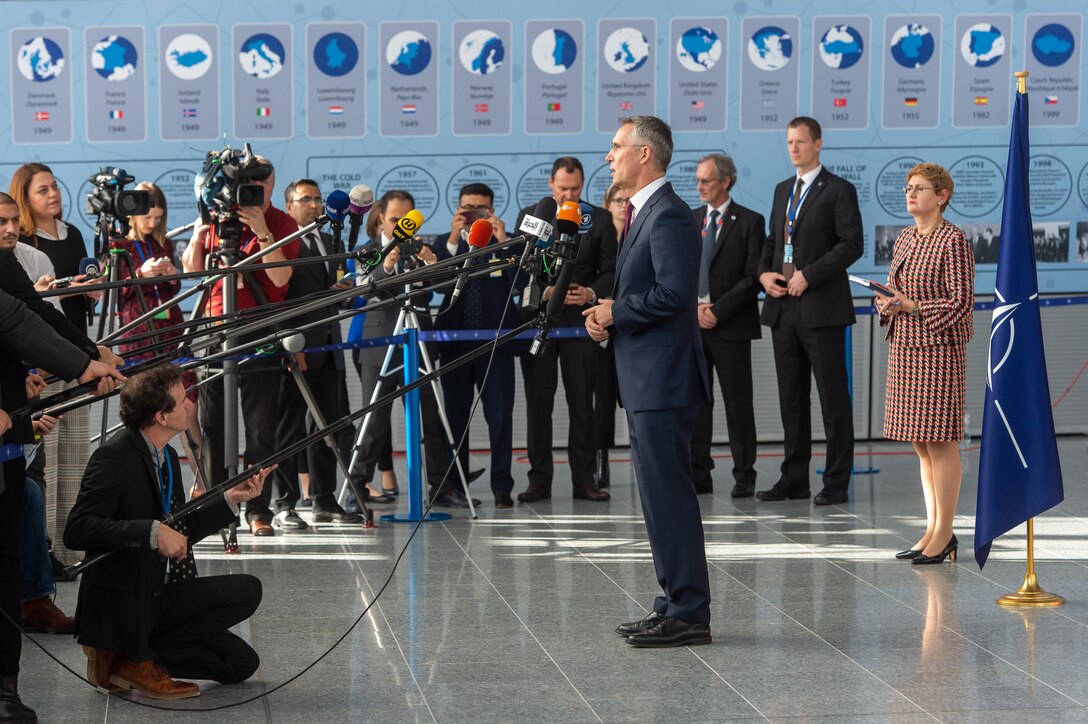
929	324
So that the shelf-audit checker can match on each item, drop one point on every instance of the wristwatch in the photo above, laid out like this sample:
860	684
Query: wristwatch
267	239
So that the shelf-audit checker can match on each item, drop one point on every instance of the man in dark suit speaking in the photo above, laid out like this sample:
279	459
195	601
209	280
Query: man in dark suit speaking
652	321
732	242
815	235
144	616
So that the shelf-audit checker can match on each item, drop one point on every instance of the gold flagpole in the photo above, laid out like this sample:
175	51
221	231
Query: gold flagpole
1030	592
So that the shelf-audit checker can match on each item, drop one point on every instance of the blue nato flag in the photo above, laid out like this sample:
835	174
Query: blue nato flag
1019	476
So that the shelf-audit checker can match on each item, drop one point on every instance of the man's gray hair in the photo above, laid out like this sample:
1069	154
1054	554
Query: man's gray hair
656	134
725	166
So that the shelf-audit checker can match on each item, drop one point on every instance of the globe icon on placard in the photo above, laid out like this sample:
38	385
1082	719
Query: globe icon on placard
912	45
40	59
770	48
408	52
114	58
262	56
841	47
482	52
188	56
1053	45
626	50
698	49
554	51
982	45
336	54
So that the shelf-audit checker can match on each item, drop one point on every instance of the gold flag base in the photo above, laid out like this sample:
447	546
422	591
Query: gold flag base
1030	594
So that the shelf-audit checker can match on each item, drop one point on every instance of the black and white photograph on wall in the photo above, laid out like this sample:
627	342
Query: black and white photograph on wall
1051	241
985	241
1082	242
885	243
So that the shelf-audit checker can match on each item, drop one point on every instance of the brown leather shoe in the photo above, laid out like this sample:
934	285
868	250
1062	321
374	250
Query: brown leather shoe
99	662
261	527
590	491
42	616
147	678
535	492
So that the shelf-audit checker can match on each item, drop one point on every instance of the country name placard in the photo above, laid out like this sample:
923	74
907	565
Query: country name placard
554	76
912	71
263	92
842	50
698	72
408	62
189	82
626	64
115	83
335	80
482	78
982	71
1053	61
769	72
41	85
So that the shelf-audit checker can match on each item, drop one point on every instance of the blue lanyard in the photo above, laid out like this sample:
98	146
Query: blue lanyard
166	490
791	210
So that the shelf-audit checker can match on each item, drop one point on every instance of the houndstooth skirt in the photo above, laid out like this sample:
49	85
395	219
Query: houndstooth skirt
926	393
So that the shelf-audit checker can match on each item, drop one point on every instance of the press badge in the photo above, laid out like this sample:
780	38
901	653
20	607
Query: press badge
787	254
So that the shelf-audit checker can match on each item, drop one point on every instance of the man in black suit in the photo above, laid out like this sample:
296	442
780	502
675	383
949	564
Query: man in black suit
592	279
322	371
144	616
732	242
484	303
815	236
653	322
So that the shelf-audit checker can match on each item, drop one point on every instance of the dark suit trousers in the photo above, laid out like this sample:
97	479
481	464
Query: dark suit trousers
732	360
190	639
661	448
259	387
801	353
379	433
11	508
459	388
330	392
578	360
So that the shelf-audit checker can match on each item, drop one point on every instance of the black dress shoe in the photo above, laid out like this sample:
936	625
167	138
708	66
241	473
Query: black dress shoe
338	515
475	474
704	487
535	492
503	500
828	496
670	632
590	491
781	492
908	554
453	498
743	490
634	627
949	552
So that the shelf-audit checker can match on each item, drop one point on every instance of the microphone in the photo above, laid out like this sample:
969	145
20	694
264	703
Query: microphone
361	199
407	227
479	236
336	209
566	245
567	221
294	343
88	268
587	218
538	224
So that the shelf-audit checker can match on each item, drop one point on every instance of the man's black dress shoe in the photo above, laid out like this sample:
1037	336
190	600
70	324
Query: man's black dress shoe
634	627
706	488
503	500
669	632
743	490
338	515
535	492
780	492
453	498
590	491
827	496
475	474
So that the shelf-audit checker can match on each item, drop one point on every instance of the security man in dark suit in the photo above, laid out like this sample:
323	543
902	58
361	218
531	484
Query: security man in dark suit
815	236
732	242
484	303
594	272
322	371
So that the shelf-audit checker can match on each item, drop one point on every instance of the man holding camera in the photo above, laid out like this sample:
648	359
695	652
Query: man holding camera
259	383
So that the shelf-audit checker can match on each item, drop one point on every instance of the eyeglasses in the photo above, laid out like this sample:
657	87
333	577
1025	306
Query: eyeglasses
619	201
908	190
618	146
474	207
309	200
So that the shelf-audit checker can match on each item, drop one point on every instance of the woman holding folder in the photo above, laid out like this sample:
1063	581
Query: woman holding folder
929	321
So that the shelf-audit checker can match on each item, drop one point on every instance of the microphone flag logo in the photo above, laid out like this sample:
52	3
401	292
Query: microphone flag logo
1019	473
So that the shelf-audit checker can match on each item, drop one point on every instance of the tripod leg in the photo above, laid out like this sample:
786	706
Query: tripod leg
202	485
356	451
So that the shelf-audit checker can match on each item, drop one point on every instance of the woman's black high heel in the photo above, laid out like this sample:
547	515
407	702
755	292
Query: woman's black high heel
949	552
908	554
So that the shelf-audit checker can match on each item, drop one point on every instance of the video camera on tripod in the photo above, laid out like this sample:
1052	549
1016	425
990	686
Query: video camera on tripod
112	206
227	182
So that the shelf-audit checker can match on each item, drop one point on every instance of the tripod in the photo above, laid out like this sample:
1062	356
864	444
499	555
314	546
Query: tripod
414	352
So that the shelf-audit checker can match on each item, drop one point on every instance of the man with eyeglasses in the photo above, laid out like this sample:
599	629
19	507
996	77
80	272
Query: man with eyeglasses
323	372
815	236
577	358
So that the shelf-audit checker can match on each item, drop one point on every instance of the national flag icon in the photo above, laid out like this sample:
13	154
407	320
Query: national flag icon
910	101
117	115
554	107
626	105
41	115
1050	100
769	103
482	108
188	113
408	109
264	111
982	100
336	110
839	102
698	105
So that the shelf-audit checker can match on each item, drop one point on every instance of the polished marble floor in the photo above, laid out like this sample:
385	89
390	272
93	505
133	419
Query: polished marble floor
509	618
